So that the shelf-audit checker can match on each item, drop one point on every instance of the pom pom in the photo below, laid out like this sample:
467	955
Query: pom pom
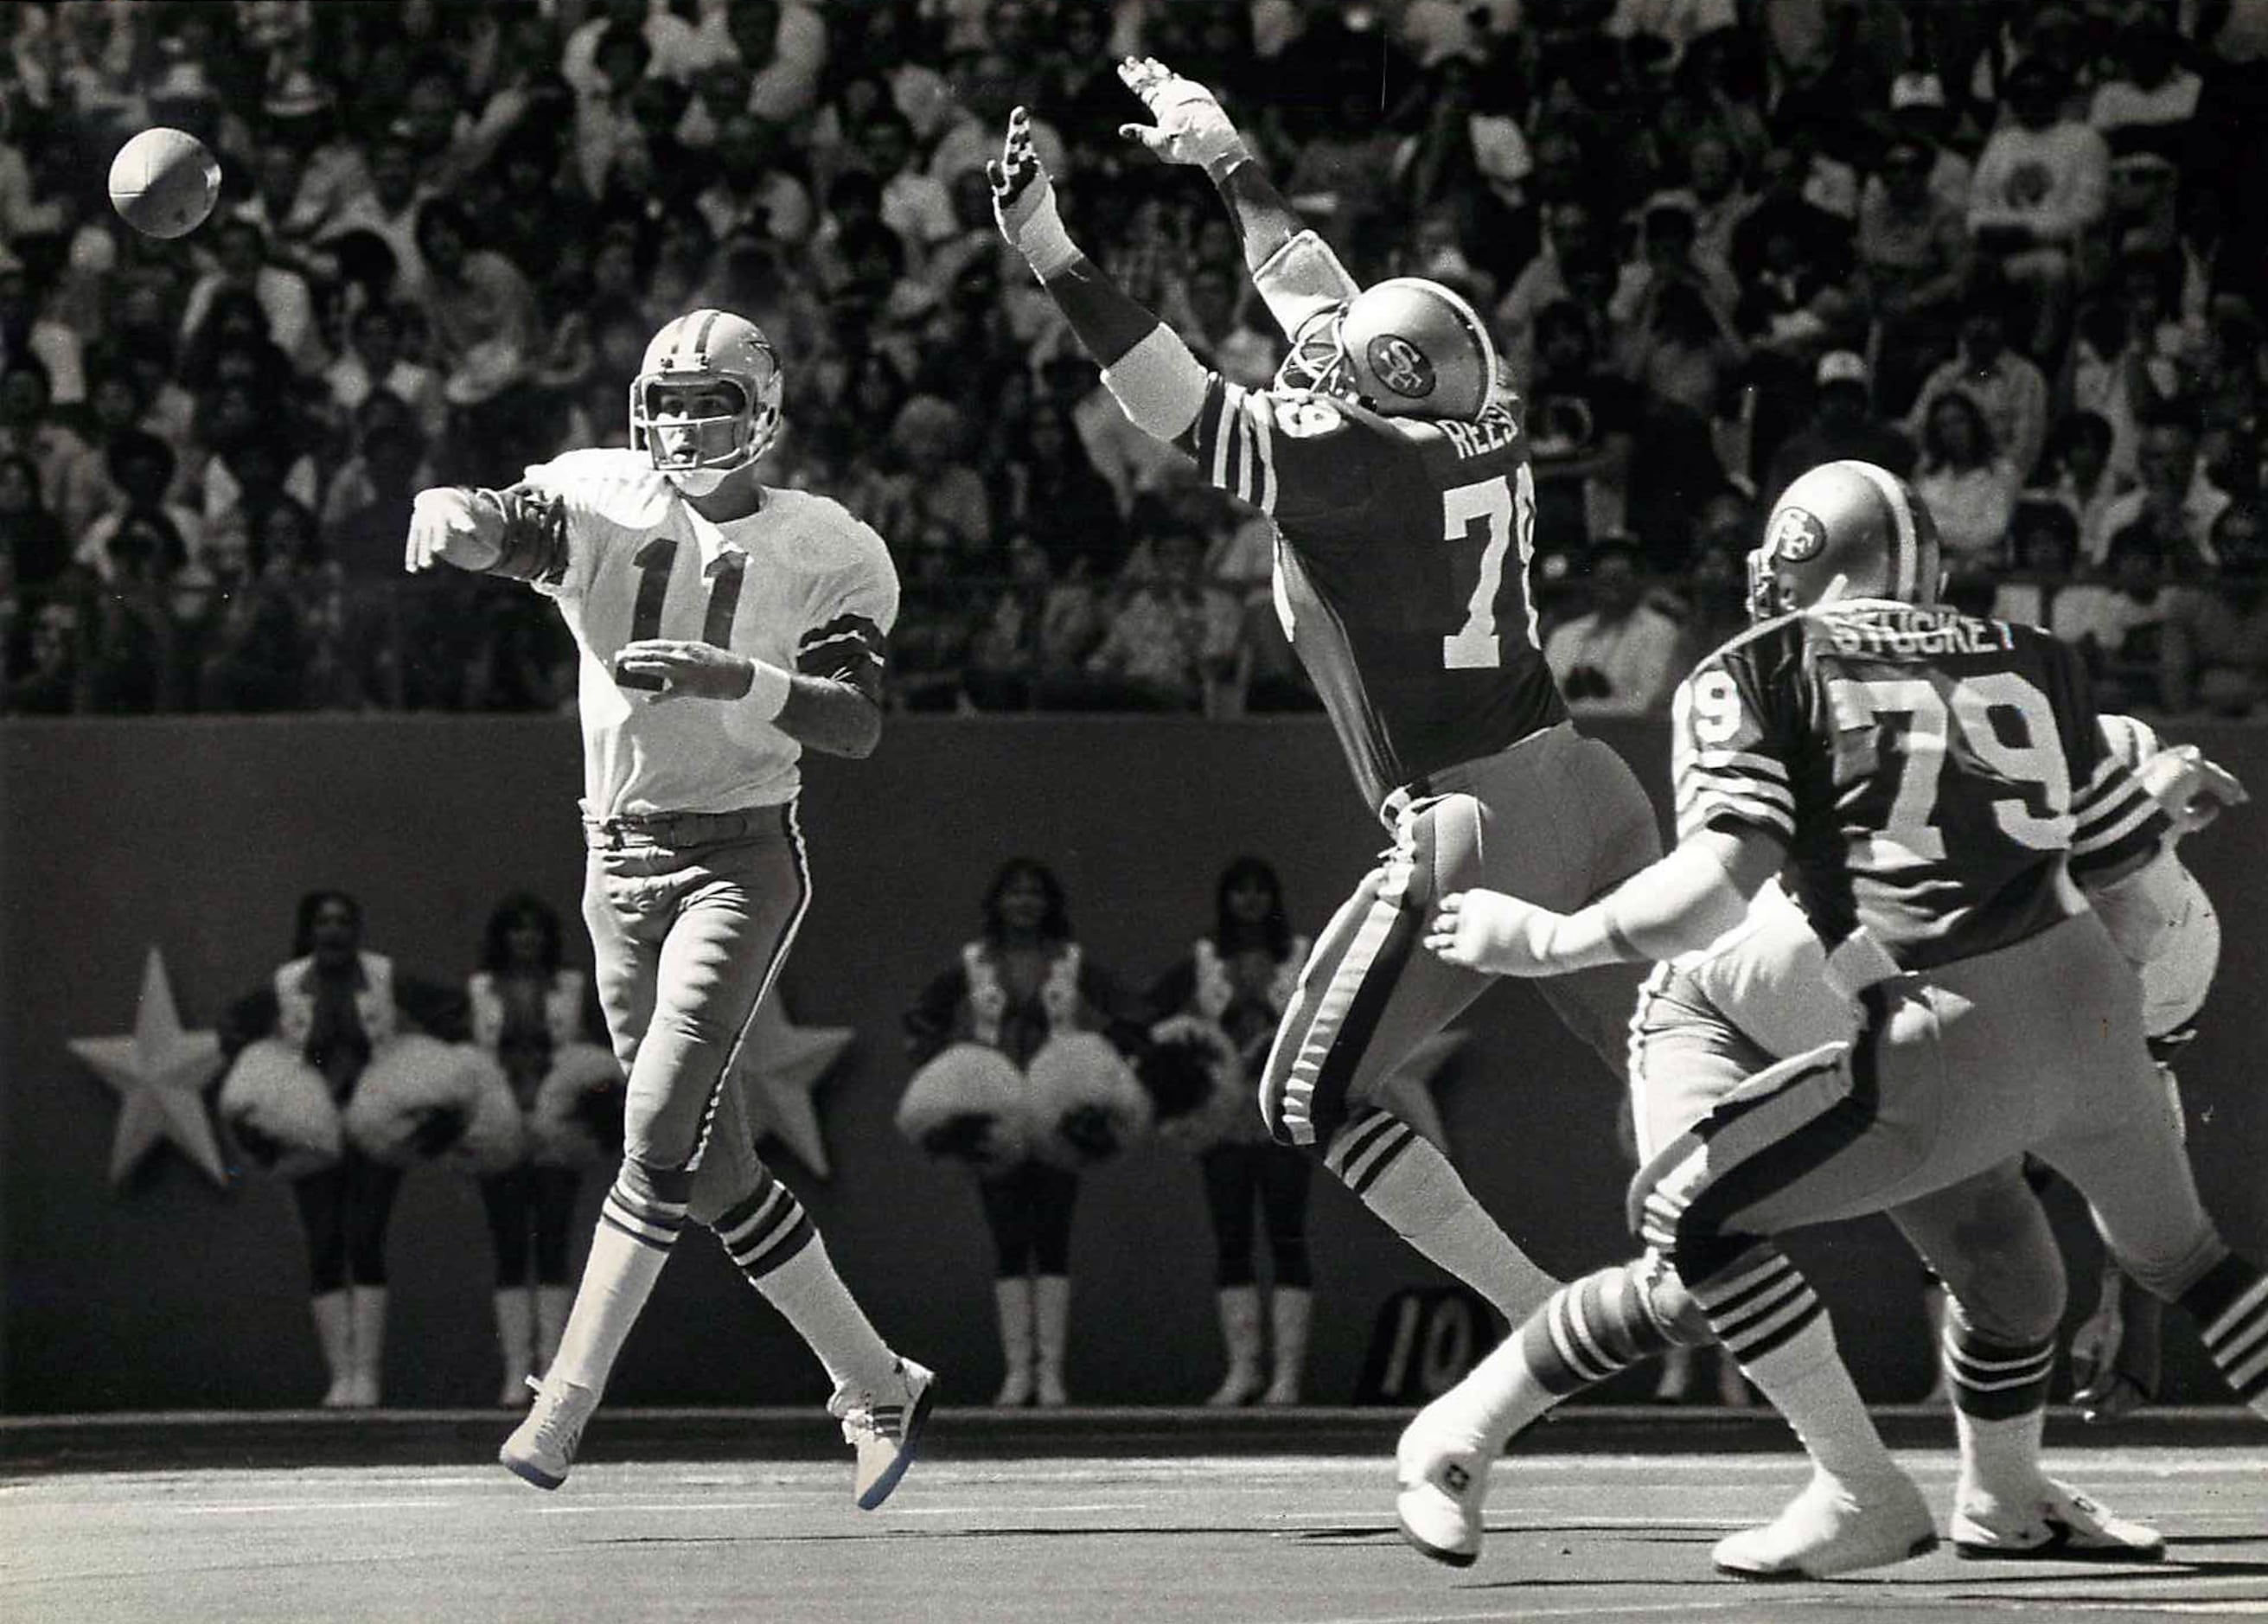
164	182
414	1101
495	1135
577	1115
1086	1104
577	1120
1195	1080
968	1104
281	1112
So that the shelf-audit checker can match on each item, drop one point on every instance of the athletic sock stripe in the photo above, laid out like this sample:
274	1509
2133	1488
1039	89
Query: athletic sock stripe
660	1223
757	1236
1732	1296
1568	1343
656	1242
1755	1310
1360	1175
792	1241
1990	1357
1739	1333
1769	1339
2244	1349
2246	1306
761	1215
1358	1137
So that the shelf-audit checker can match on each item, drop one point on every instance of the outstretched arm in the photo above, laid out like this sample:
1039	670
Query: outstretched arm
1294	269
1158	382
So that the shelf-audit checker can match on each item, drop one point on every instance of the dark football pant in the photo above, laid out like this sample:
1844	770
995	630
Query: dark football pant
1556	819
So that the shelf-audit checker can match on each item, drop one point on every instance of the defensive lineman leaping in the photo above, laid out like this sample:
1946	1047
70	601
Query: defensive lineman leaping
723	628
1399	488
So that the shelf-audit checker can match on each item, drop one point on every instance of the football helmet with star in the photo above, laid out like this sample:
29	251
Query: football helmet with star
1845	529
702	353
1406	347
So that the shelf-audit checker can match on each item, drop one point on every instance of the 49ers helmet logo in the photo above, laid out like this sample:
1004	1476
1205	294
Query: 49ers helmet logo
1400	366
1796	535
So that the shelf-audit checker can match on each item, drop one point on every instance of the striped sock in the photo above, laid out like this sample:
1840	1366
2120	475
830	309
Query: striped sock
1585	1332
1770	1320
1999	1409
638	1222
773	1242
1410	1186
2230	1306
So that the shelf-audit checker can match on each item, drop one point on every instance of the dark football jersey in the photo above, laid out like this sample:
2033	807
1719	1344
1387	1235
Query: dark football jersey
1932	773
1401	570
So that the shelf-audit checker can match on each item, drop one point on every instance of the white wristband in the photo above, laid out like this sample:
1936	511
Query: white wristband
768	689
1047	247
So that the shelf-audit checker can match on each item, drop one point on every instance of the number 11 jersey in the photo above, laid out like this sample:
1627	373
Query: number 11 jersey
1935	776
1400	572
799	583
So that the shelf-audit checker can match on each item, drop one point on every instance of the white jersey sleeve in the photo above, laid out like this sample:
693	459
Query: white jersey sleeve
598	498
854	601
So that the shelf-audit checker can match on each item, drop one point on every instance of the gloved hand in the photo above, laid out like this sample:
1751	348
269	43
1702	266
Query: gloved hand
1191	128
1024	201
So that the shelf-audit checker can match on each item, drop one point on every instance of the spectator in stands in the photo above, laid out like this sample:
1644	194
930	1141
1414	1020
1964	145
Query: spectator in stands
930	644
30	332
672	46
2044	539
2076	473
2041	188
2116	620
241	263
1004	654
755	185
37	546
1716	585
1968	485
144	527
1025	979
1222	336
1570	235
2008	388
1843	423
2215	648
388	209
50	679
481	313
2176	501
1582	420
240	622
1621	656
2130	361
373	361
1045	488
784	45
69	477
1914	265
1171	643
1919	115
2147	104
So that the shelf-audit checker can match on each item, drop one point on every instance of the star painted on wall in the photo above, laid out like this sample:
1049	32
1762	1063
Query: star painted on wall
160	1074
784	1065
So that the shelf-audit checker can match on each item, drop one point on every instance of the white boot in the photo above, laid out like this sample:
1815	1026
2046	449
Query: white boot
515	1318
552	1305
1240	1329
369	1348
1288	1311
333	1314
1051	1311
1011	1299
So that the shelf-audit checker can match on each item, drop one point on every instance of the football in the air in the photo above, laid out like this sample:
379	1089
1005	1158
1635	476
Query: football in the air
164	182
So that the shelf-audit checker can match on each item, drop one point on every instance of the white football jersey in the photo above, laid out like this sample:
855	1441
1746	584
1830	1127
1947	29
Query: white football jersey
801	584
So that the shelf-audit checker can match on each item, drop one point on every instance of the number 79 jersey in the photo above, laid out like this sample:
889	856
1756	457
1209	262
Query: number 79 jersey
801	584
1935	776
1401	570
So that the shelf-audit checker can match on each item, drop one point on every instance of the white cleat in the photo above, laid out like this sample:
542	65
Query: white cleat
1442	1488
541	1448
2055	1524
885	1428
1828	1530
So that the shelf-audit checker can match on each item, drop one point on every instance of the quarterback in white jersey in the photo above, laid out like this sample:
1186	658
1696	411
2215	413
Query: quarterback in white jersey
723	628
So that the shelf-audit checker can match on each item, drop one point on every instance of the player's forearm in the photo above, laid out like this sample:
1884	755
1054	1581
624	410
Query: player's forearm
2140	909
1156	379
831	716
1683	902
1264	218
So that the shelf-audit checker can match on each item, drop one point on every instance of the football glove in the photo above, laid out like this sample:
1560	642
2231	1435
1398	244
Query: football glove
1191	128
1024	201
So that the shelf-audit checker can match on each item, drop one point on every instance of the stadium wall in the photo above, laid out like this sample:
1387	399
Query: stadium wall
197	835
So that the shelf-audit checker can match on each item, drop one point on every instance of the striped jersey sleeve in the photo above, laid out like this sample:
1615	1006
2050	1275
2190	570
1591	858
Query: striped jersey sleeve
1729	763
2114	821
847	639
1287	452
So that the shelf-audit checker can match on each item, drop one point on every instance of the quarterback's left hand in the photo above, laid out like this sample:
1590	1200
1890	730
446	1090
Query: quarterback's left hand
1493	933
676	670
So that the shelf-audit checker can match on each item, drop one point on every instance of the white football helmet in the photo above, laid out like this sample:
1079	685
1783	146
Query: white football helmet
702	349
1406	347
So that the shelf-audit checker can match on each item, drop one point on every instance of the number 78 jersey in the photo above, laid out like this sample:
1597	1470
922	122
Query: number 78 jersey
1401	570
1934	776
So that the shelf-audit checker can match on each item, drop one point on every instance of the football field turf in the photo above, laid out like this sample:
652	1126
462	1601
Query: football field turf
1579	1528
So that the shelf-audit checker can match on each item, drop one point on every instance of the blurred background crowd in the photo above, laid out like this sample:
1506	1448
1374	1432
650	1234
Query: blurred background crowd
2005	246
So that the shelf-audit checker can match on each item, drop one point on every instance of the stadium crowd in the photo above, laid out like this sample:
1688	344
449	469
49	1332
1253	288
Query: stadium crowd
2002	247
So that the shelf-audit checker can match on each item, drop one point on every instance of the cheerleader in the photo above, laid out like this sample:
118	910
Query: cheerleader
1237	982
1025	989
534	1017
314	1056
